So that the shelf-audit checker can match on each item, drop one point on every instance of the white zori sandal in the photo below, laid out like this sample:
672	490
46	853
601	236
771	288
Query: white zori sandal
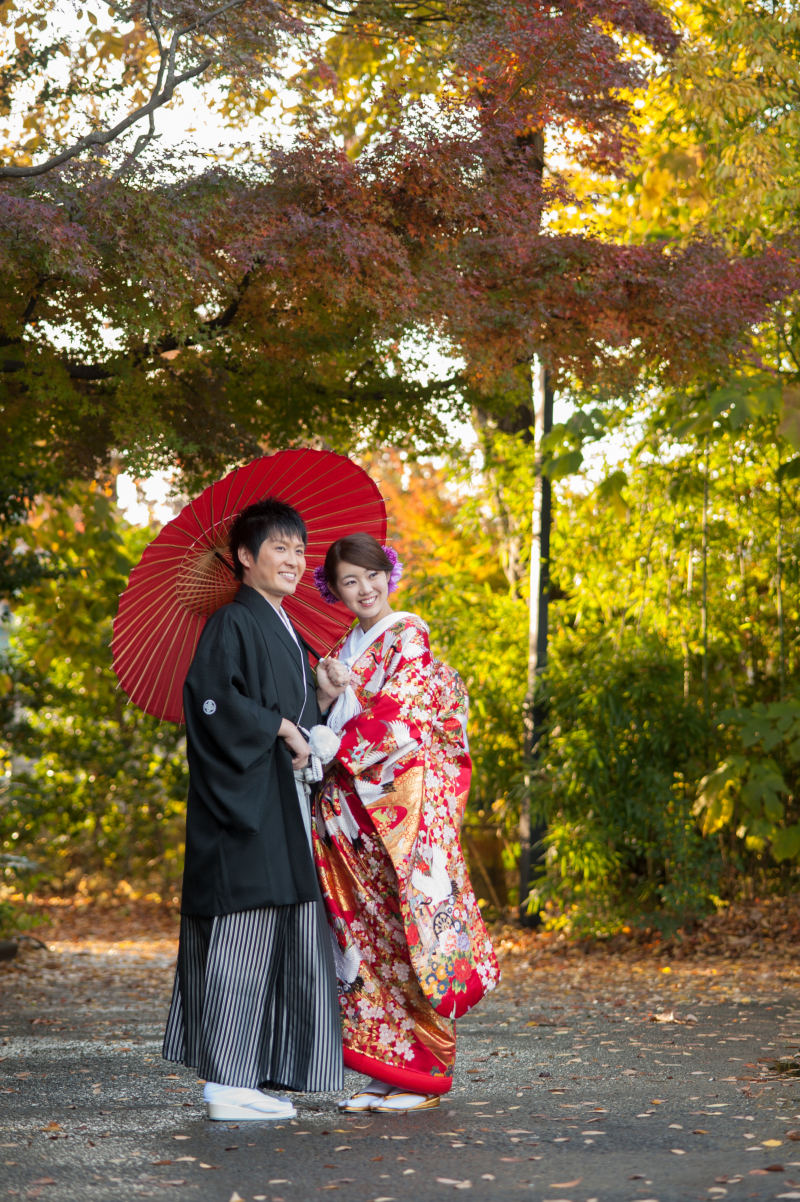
226	1102
362	1099
401	1101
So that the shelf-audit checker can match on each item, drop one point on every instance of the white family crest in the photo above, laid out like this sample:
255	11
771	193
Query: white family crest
209	707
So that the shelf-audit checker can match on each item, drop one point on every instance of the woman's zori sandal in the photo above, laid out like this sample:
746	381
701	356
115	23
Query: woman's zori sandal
402	1101
380	1098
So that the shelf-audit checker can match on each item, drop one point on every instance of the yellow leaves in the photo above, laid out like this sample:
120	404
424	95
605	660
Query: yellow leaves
716	795
610	490
789	426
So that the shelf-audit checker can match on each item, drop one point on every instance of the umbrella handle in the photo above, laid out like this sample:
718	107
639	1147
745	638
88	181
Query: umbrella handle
222	559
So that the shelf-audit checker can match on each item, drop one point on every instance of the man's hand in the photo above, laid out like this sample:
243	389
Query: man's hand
333	678
295	742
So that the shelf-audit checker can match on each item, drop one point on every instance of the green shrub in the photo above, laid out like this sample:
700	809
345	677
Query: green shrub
615	785
92	785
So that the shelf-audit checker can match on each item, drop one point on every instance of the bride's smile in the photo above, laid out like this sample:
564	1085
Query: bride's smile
364	591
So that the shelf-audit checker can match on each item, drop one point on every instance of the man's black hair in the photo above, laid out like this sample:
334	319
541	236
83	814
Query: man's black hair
269	518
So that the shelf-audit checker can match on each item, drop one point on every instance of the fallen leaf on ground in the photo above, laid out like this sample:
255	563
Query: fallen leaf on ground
565	1184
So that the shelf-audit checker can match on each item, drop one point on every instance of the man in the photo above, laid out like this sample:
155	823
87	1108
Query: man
255	1001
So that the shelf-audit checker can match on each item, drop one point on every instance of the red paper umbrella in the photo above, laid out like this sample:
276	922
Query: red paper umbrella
186	573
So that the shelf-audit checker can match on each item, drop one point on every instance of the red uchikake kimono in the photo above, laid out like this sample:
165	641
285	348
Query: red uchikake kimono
412	953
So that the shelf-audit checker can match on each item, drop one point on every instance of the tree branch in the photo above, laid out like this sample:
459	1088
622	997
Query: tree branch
141	142
27	312
158	97
95	372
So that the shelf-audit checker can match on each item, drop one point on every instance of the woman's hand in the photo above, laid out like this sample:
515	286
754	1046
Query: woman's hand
333	678
295	742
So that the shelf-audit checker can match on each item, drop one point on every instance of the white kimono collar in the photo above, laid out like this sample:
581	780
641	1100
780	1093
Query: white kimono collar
347	704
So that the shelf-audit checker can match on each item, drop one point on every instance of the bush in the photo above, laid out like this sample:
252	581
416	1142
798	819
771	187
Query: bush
616	787
92	785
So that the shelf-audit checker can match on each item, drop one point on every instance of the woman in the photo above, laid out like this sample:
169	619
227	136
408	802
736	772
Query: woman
412	953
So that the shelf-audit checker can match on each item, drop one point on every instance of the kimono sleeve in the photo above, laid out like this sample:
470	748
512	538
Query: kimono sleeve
390	725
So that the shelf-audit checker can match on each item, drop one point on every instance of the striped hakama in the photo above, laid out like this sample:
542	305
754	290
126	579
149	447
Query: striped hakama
255	1000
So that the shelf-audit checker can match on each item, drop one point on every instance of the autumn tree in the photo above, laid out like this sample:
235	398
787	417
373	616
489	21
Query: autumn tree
185	315
188	314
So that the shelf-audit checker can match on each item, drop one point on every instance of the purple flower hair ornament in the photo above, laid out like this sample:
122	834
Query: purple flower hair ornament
321	585
395	575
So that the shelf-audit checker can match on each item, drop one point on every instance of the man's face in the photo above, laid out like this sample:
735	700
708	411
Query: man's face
277	571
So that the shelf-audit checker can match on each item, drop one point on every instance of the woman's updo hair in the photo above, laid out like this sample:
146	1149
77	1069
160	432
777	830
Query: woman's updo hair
362	550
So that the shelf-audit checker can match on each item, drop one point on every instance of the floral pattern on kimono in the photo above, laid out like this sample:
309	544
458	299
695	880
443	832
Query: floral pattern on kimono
411	948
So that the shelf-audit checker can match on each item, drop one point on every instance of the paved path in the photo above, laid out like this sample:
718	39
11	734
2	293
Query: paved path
631	1109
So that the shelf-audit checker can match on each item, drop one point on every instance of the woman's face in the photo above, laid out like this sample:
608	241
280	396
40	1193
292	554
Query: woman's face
364	591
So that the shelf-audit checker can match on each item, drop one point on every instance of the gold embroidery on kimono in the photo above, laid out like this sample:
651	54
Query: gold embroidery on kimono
412	952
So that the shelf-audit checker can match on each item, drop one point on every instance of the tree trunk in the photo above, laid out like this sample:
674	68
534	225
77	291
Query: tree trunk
534	708
779	584
704	611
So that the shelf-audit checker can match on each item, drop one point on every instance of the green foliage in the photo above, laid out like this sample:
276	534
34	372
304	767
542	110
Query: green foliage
92	785
611	784
754	793
632	739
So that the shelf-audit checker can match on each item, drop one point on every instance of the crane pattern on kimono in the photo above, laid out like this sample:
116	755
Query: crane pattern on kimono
410	736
